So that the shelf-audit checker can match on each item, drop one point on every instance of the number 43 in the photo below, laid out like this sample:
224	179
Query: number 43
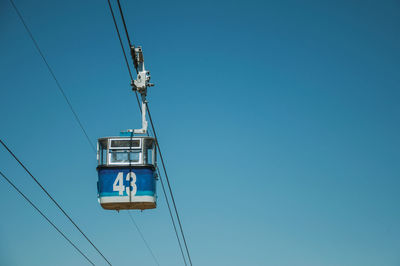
119	183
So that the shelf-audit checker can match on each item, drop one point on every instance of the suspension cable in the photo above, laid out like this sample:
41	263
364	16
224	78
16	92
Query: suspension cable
123	51
127	37
140	108
45	217
123	21
169	185
120	40
172	217
69	104
54	201
155	136
76	118
53	75
144	240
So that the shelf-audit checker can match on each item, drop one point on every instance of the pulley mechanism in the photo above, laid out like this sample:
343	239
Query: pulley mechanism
142	81
140	85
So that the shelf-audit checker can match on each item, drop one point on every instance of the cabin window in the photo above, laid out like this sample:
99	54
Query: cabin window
103	157
125	151
102	153
148	151
149	157
125	156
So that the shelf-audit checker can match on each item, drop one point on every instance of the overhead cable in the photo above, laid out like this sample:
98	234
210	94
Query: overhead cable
76	118
60	87
169	185
45	217
67	100
144	240
172	217
140	108
54	201
127	37
123	51
176	211
53	75
123	21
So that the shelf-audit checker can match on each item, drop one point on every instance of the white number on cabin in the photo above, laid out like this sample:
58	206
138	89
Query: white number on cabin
129	176
119	183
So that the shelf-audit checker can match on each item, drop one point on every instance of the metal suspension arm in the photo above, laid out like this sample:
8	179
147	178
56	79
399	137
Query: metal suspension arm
140	85
142	130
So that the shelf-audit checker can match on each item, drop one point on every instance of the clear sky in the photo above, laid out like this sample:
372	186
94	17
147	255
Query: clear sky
279	122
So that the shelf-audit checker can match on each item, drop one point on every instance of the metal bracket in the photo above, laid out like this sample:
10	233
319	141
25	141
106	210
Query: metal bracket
142	130
140	85
142	80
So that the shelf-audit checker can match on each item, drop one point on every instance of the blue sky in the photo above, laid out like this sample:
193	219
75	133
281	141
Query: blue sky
279	122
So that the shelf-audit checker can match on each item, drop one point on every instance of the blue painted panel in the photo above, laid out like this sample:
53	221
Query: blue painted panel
145	181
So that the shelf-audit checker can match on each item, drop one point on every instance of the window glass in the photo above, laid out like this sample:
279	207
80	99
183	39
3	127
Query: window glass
148	151
103	156
102	152
125	156
149	157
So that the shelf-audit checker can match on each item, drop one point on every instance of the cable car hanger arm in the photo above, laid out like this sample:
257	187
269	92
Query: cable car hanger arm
140	85
142	130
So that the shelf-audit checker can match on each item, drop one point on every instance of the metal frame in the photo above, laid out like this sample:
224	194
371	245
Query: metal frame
140	84
140	148
99	155
140	162
127	147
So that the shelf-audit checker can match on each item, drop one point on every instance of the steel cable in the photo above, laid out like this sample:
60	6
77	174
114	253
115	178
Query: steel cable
52	74
129	43
70	106
45	217
55	202
144	240
169	185
123	51
172	217
155	136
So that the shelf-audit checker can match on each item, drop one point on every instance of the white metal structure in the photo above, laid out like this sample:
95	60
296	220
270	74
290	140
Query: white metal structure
140	85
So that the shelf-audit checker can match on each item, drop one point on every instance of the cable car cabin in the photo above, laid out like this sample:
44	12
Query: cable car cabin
126	169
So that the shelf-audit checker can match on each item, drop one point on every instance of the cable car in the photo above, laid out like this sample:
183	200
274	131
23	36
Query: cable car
126	171
127	164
